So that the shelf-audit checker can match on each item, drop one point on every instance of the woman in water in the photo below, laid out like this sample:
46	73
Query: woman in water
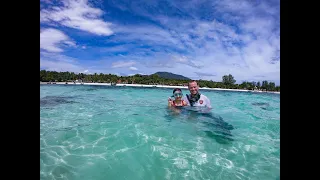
177	94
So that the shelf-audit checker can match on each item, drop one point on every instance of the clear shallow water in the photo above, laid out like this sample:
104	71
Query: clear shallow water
100	132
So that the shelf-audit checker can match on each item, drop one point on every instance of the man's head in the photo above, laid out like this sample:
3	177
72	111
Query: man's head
193	87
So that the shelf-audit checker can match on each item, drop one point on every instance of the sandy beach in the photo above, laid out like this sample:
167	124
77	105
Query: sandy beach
159	86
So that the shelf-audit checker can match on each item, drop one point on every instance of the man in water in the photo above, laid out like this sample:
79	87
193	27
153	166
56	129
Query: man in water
216	127
195	98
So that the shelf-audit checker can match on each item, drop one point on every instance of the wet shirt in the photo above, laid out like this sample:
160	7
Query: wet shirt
202	102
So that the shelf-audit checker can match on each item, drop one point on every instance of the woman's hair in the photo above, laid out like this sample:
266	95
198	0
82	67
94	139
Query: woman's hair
176	89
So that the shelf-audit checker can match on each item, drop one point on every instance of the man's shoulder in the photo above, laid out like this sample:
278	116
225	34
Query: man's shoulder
206	100
204	96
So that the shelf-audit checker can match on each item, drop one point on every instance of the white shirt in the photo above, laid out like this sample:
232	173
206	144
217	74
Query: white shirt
202	102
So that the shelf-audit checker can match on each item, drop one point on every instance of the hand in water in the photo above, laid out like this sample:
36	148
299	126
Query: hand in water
170	101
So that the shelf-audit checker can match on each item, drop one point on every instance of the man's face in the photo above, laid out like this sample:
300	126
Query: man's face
193	88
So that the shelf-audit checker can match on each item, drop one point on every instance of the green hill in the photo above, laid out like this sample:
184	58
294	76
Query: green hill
168	75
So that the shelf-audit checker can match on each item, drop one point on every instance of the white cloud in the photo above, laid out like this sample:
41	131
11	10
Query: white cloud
146	35
59	66
52	39
182	59
61	63
258	26
205	74
136	73
186	60
58	62
46	1
119	48
120	64
133	68
77	14
243	42
244	50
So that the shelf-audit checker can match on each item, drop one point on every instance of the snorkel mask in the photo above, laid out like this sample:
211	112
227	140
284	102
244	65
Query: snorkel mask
177	94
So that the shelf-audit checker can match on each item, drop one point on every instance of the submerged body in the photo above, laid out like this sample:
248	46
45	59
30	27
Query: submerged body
197	106
212	124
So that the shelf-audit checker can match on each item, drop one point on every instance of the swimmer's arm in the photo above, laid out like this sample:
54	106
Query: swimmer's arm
208	107
208	104
169	102
185	99
184	103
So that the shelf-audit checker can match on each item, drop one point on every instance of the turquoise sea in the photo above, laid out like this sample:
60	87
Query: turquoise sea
103	132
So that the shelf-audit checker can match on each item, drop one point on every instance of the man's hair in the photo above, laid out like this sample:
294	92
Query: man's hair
192	81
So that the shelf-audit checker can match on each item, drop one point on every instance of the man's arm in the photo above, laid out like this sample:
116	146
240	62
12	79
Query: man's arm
208	104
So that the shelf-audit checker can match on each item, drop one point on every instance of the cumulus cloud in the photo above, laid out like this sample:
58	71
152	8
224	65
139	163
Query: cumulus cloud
58	62
243	44
202	39
77	14
133	68
204	74
52	39
121	64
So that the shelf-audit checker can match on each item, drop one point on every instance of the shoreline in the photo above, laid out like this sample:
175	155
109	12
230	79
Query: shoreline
160	86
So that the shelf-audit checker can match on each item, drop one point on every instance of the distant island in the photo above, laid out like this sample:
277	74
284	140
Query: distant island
168	75
158	78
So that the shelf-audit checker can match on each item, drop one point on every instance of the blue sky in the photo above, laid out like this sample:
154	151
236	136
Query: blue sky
195	38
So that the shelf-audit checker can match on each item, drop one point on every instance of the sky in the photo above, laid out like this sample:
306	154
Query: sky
198	39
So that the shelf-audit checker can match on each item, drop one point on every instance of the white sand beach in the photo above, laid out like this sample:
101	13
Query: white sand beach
160	86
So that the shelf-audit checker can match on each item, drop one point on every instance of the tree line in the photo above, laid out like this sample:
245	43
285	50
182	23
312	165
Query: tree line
228	81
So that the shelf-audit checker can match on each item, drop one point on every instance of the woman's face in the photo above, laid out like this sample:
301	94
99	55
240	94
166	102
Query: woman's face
177	95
